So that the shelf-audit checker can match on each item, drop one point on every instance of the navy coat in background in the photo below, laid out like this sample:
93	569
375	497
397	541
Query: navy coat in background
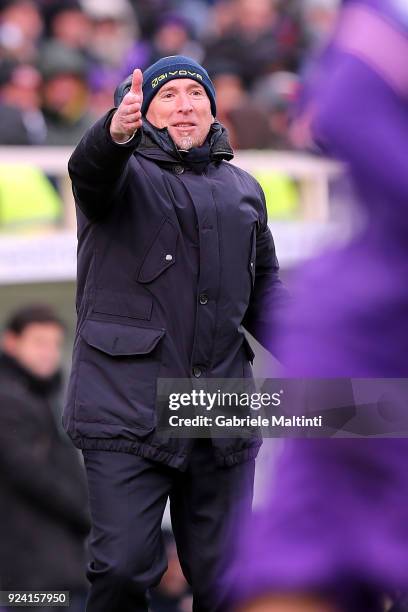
43	512
173	259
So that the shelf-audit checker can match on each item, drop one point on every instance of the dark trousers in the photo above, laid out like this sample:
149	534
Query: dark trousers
128	495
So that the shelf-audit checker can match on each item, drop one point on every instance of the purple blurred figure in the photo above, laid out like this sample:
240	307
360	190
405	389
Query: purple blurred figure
335	526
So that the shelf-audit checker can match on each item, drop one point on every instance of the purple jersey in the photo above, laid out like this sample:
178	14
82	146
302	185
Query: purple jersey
338	509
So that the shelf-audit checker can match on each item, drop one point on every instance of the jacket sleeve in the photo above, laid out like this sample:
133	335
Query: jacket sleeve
98	168
269	296
25	466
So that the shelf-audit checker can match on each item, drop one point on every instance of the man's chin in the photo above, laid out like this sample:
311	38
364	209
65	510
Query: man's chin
185	143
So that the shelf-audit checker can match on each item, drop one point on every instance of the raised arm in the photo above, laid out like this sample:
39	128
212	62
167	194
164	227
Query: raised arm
98	166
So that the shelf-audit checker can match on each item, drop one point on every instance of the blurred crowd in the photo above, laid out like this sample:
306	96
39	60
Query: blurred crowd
60	60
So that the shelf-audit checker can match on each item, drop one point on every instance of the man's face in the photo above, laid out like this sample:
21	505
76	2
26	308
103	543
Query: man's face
38	348
183	107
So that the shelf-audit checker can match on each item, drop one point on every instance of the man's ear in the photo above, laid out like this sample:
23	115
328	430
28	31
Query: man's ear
9	342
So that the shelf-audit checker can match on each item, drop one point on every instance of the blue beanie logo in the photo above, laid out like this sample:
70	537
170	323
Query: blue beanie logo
176	73
165	69
175	67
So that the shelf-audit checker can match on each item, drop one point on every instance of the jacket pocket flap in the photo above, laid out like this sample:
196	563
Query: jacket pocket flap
161	254
117	339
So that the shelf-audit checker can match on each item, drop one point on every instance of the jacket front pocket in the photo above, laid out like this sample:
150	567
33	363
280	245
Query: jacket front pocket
117	375
161	253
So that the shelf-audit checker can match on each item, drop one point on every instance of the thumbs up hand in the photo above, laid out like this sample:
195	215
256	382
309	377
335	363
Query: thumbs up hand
128	116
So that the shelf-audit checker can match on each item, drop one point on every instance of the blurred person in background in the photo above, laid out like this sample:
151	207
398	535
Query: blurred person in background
21	28
262	39
21	119
172	593
245	121
43	512
221	23
65	94
148	14
260	119
28	200
174	36
198	14
102	85
277	94
319	18
68	24
114	33
334	533
114	30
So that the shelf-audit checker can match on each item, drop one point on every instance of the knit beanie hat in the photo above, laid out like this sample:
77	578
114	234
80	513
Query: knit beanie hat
165	70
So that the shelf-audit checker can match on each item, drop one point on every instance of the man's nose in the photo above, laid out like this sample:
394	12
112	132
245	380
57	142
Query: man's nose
185	105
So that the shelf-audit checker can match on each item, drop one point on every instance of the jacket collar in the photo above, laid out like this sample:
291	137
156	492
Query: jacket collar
156	143
10	368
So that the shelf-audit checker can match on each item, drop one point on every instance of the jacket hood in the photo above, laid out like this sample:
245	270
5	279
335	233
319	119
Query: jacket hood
156	143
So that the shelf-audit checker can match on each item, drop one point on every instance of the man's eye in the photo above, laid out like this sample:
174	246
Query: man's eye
167	95
197	92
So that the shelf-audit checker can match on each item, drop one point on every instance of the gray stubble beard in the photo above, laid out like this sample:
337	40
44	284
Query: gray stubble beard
186	143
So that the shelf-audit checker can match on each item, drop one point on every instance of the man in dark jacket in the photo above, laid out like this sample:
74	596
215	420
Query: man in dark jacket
174	257
43	510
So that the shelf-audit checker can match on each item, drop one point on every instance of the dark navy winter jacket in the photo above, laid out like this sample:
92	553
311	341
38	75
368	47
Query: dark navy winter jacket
174	258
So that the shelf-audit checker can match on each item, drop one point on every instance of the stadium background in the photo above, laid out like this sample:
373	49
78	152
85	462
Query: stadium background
60	61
